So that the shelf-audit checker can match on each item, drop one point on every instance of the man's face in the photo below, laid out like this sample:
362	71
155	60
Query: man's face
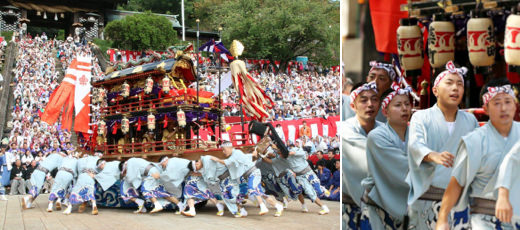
228	151
381	78
450	90
18	163
198	165
164	163
501	109
338	165
367	105
399	110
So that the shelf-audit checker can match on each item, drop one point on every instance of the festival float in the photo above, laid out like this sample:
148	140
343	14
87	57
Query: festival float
146	109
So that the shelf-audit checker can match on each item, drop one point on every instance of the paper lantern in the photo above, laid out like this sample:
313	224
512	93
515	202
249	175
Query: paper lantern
125	125
148	86
181	118
102	127
512	40
101	94
150	121
125	91
410	46
441	41
481	40
166	84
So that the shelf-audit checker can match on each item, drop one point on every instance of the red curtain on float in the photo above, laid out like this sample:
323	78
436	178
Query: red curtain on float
385	20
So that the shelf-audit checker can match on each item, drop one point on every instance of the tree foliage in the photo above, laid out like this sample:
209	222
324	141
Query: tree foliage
279	30
141	32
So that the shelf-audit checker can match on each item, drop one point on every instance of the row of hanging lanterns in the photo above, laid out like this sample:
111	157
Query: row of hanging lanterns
166	86
441	42
150	122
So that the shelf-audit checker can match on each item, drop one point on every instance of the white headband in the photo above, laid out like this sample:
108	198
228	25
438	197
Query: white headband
359	90
493	91
450	68
163	160
193	164
397	91
227	144
100	163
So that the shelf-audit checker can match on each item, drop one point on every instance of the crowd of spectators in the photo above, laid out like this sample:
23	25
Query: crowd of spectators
299	95
30	140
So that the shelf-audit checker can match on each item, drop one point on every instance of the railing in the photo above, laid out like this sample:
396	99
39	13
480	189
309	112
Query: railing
157	103
171	147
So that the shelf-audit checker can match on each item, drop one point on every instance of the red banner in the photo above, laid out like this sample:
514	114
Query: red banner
291	129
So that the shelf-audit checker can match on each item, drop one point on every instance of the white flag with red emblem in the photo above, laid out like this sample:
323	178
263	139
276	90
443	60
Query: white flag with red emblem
82	94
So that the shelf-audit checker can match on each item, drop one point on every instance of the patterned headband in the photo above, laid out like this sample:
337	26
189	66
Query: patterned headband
493	91
397	91
388	67
194	166
359	90
163	160
227	144
450	68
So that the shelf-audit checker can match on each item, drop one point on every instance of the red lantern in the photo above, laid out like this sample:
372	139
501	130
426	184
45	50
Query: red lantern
481	41
441	41
410	46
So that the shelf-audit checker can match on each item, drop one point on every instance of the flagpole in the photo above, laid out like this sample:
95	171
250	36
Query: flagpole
183	27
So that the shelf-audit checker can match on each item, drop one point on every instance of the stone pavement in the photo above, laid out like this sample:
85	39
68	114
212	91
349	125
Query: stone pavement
12	217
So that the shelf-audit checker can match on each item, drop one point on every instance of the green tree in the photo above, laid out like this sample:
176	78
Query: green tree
142	31
279	30
162	7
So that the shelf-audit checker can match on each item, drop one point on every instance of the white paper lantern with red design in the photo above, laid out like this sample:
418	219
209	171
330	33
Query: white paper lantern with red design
441	41
410	46
150	121
125	89
481	41
148	86
166	84
512	40
102	128
181	118
101	94
125	125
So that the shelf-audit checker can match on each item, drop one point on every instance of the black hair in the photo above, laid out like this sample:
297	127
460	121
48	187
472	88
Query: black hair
162	158
120	166
99	160
190	167
385	93
494	82
357	85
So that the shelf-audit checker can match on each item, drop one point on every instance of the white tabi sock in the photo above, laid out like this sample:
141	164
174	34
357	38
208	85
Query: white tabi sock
139	202
220	207
157	205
